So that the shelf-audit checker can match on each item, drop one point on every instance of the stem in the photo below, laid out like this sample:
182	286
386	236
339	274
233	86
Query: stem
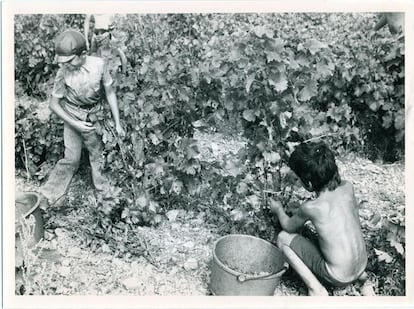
169	127
269	128
266	175
149	258
293	91
189	48
294	97
120	144
122	151
272	192
26	164
318	137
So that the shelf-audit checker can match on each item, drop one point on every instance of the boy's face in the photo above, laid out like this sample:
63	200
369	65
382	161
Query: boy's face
292	179
296	182
75	63
102	36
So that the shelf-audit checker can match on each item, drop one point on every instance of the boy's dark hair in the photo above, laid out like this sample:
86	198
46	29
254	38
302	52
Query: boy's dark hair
99	31
315	163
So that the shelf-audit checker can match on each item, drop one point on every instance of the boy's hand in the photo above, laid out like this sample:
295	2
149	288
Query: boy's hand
84	126
275	206
371	35
120	130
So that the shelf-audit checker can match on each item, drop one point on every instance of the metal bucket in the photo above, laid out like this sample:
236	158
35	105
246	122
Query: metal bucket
27	203
245	265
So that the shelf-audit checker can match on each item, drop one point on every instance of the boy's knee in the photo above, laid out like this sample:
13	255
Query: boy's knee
73	161
73	156
284	238
363	277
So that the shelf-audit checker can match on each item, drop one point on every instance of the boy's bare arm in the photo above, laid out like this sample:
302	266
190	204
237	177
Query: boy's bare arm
81	126
86	26
113	103
289	224
381	23
123	59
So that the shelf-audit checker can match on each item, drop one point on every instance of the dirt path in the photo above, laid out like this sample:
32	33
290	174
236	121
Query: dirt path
180	249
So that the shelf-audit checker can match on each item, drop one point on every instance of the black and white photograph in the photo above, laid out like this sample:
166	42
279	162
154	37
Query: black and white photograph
207	152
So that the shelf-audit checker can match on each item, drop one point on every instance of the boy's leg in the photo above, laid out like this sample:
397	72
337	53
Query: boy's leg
314	286
61	175
94	145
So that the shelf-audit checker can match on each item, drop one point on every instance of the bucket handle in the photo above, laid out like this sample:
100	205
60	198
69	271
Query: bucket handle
243	277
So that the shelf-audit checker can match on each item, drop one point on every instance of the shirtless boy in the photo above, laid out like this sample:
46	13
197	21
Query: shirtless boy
341	256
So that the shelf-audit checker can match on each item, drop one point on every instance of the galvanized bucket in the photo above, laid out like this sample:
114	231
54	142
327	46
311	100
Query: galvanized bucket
245	265
27	204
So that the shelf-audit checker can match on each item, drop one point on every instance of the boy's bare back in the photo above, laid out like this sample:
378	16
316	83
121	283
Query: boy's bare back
335	217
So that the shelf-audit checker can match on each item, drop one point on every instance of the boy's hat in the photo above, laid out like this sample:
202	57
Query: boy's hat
68	44
102	21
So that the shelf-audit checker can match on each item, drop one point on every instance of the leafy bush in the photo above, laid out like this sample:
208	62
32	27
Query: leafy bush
37	148
387	254
286	85
370	80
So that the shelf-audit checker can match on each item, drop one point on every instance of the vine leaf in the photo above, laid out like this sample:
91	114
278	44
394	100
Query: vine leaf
259	31
394	242
272	157
399	121
142	201
283	118
302	60
374	106
249	82
278	81
172	214
308	91
176	186
324	69
234	168
235	54
249	115
199	123
273	56
237	215
383	256
253	200
398	246
314	46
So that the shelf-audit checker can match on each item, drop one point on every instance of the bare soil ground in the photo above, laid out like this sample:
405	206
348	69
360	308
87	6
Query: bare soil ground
180	249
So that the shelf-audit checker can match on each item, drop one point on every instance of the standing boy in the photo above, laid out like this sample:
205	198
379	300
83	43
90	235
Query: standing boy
102	44
78	92
341	256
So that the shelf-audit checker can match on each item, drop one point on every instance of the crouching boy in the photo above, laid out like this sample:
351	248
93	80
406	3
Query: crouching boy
341	256
81	86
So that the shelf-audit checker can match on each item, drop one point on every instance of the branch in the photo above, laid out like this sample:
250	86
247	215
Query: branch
272	192
318	137
148	256
169	127
293	92
120	144
26	164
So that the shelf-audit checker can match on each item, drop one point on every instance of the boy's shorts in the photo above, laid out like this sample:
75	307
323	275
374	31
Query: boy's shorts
313	259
